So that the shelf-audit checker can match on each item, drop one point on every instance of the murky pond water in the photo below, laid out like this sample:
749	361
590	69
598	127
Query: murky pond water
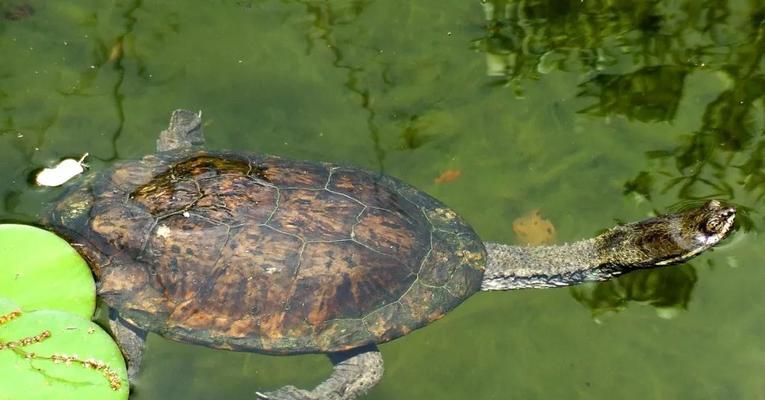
592	112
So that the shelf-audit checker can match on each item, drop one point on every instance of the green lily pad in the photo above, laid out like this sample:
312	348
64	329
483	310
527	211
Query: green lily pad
39	270
50	354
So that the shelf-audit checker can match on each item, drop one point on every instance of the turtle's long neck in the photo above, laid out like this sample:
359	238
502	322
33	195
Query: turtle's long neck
517	267
615	252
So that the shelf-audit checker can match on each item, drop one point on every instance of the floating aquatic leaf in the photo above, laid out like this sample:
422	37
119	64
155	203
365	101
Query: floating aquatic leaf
532	229
50	354
39	270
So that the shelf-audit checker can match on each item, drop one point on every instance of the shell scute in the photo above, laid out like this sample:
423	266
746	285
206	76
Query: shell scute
166	197
392	233
429	301
235	199
315	214
290	174
119	227
126	176
266	262
389	322
344	280
183	252
342	334
439	265
374	190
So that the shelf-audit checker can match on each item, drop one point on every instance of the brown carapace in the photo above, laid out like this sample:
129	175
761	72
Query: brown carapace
260	253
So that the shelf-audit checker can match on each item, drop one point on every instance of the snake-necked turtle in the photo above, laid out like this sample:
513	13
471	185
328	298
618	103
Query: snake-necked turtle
248	252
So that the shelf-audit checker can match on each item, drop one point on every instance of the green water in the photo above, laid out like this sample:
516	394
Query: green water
592	112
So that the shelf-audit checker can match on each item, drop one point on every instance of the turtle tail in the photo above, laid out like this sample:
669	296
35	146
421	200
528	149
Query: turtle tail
183	133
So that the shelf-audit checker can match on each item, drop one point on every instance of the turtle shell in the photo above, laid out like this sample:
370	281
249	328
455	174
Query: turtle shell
265	254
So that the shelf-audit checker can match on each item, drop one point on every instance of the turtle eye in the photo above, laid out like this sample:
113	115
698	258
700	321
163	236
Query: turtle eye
712	226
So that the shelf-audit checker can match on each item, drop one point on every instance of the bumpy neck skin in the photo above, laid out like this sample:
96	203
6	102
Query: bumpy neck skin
663	240
519	267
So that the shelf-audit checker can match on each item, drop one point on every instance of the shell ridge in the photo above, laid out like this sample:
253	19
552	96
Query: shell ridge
276	206
216	270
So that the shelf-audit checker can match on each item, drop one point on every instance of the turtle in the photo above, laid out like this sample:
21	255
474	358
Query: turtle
248	252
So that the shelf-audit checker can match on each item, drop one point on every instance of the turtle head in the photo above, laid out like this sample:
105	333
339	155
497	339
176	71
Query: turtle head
678	237
713	221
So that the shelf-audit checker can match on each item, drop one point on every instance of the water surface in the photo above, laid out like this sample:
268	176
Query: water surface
592	112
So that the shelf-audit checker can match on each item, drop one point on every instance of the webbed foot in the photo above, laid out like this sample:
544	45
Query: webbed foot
354	373
131	341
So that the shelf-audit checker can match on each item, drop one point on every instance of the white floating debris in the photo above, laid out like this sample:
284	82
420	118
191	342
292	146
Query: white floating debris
61	173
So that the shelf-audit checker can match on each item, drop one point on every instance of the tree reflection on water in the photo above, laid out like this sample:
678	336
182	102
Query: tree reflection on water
636	58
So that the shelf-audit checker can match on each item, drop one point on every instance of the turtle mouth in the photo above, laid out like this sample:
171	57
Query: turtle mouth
730	215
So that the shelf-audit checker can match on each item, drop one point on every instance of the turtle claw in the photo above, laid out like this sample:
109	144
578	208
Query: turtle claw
287	393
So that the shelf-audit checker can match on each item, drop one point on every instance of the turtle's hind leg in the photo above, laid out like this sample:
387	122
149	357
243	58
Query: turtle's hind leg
131	341
355	372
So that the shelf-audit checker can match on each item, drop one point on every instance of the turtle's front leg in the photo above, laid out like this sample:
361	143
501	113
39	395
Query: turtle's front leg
355	372
131	341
